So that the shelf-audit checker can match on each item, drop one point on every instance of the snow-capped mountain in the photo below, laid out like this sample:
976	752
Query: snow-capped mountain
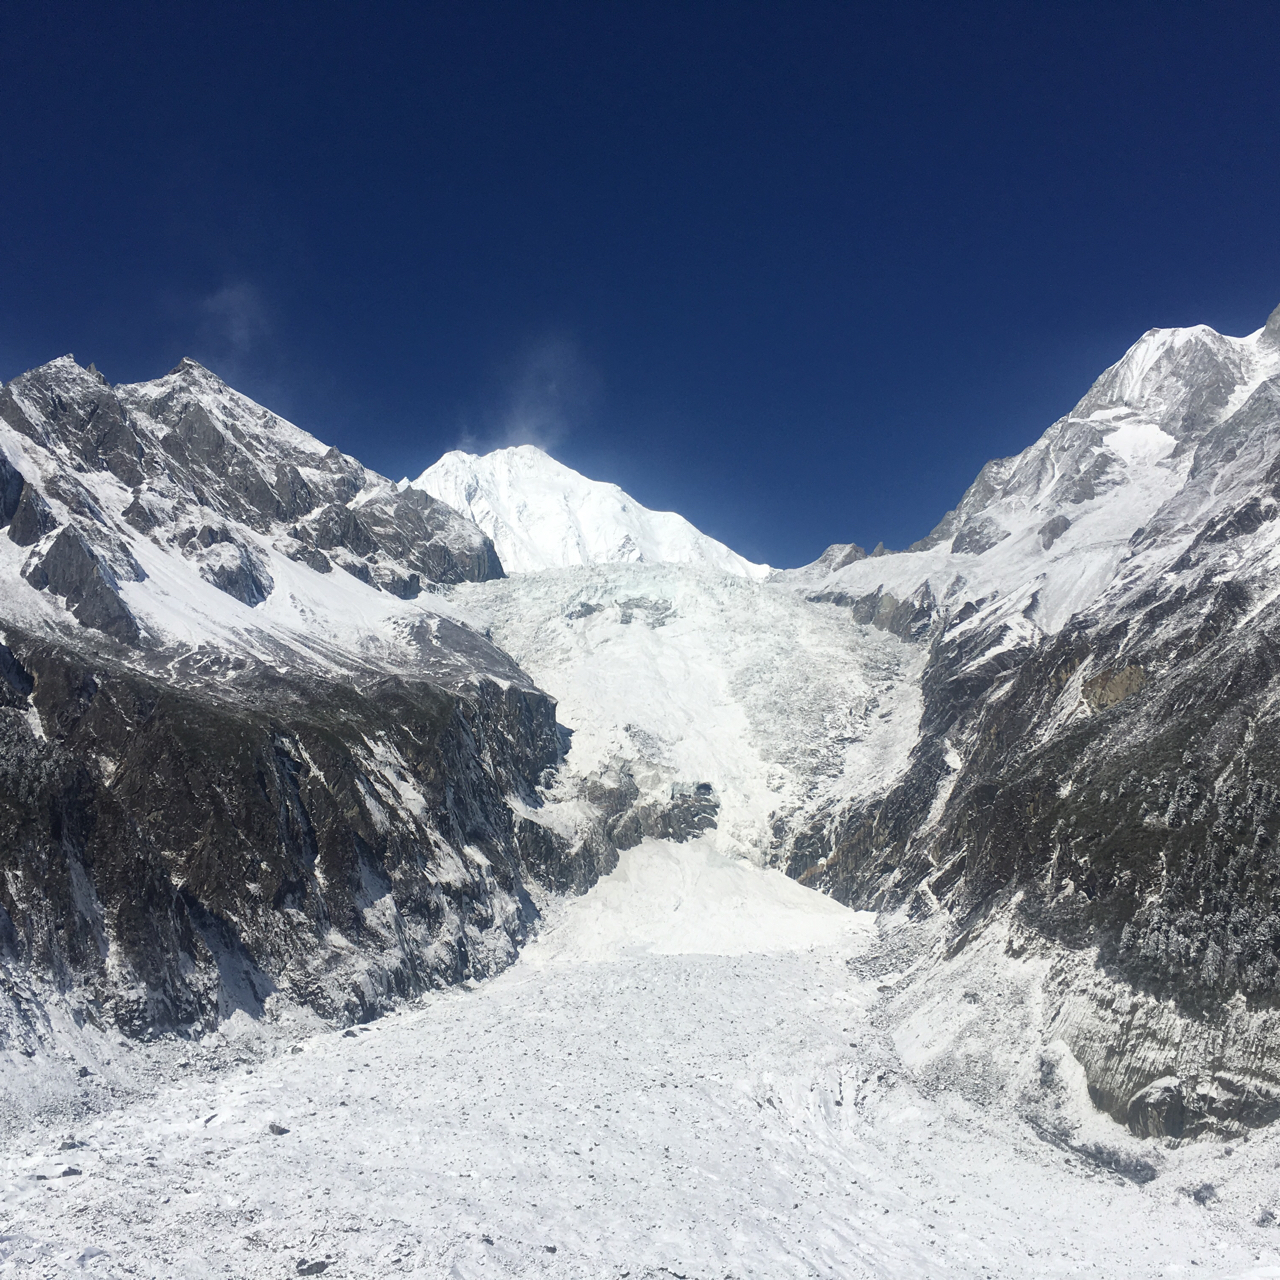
244	741
544	515
1096	754
1086	671
274	731
281	745
1056	522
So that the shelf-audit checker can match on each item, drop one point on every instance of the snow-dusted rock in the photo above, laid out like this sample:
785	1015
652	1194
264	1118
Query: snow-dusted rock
248	754
1100	713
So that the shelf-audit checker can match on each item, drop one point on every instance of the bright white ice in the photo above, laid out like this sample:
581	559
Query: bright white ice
691	676
685	1077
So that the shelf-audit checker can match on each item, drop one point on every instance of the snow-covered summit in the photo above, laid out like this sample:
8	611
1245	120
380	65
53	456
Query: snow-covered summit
1153	452
544	515
178	512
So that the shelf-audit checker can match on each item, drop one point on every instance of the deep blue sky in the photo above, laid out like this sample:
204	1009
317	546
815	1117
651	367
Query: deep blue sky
794	270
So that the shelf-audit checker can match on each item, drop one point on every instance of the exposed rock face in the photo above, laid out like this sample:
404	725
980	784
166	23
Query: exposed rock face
1097	751
683	813
175	853
70	568
31	518
1052	530
230	777
908	619
978	536
840	554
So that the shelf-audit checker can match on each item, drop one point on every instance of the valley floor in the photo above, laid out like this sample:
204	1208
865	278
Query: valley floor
684	1077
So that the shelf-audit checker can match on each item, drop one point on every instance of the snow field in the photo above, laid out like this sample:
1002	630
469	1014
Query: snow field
642	1095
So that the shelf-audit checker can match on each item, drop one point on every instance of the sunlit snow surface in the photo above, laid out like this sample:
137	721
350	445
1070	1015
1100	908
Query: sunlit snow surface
648	1092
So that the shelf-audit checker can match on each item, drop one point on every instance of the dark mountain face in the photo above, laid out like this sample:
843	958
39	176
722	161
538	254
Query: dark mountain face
1112	782
240	763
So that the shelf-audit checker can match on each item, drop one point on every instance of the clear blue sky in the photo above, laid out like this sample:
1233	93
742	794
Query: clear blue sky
794	270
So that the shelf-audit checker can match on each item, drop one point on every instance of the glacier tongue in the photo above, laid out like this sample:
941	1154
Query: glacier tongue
544	515
689	1075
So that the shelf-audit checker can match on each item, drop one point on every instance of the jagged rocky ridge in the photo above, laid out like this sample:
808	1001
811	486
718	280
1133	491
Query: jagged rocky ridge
246	755
1097	753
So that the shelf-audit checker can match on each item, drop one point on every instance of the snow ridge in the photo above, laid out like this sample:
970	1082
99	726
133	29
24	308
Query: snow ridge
1048	531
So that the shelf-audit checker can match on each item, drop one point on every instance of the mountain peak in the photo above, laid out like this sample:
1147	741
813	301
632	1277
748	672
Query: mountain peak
542	514
193	371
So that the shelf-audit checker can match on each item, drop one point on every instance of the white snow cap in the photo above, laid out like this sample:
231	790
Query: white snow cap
544	515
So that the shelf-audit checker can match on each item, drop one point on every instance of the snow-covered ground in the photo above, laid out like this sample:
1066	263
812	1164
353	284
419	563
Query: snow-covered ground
689	1075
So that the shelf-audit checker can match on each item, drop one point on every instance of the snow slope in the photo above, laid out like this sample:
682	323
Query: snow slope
329	620
641	1096
544	515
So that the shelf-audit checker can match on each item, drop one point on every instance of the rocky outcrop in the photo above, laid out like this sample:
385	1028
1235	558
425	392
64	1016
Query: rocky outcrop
908	619
31	518
1053	529
71	569
172	854
840	554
